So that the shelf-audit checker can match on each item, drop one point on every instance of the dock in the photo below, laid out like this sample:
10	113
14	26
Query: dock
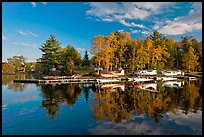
54	81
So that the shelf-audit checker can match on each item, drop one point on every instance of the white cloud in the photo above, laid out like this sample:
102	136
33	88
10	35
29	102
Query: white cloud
132	24
33	34
4	37
138	25
125	23
127	10
22	32
27	33
107	19
134	31
183	24
80	49
145	32
33	4
25	45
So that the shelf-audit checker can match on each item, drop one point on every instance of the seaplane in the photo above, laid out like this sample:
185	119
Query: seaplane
145	72
113	74
151	87
172	73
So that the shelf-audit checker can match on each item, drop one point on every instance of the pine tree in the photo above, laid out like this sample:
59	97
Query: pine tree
86	59
51	56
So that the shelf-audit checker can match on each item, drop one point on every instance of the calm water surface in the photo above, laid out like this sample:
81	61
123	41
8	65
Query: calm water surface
67	109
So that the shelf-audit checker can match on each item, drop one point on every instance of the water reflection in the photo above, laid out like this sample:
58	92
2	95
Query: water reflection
129	107
8	80
117	105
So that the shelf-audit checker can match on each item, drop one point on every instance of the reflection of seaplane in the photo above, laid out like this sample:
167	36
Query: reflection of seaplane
113	86
140	79
151	87
176	84
106	80
172	73
113	74
165	78
145	72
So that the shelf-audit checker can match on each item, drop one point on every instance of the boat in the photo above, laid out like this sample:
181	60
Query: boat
112	74
145	72
172	73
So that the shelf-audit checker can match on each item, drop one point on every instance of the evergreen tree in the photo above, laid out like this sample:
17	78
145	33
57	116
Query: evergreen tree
51	56
86	59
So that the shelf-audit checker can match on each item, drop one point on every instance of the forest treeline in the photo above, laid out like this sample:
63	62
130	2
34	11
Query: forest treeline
118	50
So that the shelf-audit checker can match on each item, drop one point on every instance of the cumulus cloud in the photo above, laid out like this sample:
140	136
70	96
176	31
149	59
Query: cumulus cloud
4	37
184	24
126	10
128	13
25	45
27	33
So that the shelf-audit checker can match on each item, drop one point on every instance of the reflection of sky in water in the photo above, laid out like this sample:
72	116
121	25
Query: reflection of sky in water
11	97
172	124
22	113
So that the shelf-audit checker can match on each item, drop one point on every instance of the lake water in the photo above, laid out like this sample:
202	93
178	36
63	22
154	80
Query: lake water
76	109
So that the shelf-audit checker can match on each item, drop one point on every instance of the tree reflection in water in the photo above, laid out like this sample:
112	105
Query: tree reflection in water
8	80
56	95
117	105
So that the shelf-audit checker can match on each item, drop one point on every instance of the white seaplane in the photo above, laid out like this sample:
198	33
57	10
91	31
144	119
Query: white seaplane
145	72
113	74
172	73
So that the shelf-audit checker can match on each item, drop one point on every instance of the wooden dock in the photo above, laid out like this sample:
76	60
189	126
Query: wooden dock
55	81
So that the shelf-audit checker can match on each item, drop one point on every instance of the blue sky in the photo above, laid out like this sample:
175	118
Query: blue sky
26	25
